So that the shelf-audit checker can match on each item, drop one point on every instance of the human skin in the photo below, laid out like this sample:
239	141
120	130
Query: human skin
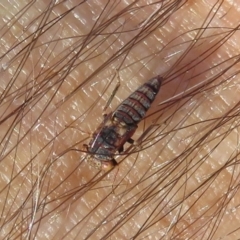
191	170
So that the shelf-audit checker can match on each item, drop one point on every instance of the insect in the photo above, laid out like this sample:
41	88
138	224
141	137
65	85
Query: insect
118	127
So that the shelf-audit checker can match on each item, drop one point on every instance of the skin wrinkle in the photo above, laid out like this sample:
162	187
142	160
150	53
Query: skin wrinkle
74	176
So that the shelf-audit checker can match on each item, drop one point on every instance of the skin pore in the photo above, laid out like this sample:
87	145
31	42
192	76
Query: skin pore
59	66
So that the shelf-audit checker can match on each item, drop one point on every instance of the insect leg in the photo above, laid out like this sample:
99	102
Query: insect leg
130	140
114	92
121	149
146	133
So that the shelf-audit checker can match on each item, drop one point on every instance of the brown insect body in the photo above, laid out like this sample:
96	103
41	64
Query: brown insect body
118	127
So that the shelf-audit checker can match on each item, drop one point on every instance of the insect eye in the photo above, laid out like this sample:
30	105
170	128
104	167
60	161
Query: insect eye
108	165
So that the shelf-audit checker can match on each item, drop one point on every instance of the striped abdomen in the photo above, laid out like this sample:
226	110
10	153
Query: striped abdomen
132	110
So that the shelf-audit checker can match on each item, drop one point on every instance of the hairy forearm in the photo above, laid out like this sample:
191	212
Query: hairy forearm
59	64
